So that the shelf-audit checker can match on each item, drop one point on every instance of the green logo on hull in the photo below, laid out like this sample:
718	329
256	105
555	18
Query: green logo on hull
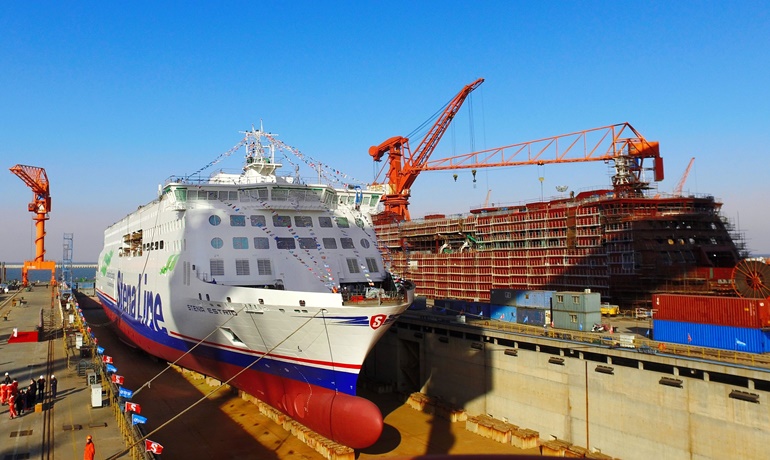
170	264
106	262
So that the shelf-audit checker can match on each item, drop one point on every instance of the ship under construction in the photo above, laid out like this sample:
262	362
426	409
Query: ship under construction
626	242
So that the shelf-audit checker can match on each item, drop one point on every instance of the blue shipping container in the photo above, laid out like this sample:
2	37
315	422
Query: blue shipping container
532	316
521	298
478	309
440	305
502	313
711	336
419	303
461	307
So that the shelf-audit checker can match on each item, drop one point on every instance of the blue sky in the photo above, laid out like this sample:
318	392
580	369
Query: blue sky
112	98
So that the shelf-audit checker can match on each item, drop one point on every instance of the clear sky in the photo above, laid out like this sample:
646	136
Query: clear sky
111	98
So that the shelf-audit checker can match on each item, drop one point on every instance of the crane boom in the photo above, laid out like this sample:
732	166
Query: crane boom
36	179
620	143
403	166
680	184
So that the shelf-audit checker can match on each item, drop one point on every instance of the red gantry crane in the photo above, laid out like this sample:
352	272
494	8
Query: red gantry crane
36	179
619	143
404	166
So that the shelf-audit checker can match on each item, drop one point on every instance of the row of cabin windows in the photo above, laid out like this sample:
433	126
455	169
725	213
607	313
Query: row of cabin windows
285	221
153	245
261	194
264	268
263	242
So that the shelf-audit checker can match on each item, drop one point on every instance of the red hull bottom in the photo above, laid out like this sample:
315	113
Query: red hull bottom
349	420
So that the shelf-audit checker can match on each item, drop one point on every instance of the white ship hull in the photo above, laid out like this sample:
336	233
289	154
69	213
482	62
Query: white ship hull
277	286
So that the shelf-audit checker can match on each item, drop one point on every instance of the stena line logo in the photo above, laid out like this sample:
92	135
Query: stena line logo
376	321
140	304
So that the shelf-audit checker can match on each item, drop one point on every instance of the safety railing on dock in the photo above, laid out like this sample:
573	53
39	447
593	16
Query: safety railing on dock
86	357
639	344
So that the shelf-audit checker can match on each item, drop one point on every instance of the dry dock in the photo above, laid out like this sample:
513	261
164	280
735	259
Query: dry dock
222	426
225	426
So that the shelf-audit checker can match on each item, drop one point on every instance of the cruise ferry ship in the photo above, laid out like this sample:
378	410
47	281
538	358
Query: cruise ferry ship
259	280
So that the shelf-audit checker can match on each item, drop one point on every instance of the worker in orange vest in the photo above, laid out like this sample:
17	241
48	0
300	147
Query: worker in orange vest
90	450
12	406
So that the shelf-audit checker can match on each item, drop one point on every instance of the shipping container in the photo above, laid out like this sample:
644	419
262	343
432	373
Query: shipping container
521	298
419	303
532	316
749	340
724	311
440	305
576	301
502	313
575	320
473	310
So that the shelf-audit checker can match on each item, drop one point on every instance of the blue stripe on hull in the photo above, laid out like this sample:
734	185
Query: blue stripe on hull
334	380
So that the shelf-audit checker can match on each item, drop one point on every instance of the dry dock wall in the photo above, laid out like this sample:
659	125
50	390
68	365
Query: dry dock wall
621	402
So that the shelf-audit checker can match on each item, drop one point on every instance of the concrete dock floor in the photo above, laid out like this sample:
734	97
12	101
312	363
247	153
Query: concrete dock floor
73	414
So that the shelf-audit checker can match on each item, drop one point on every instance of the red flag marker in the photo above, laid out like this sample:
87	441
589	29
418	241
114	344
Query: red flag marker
107	359
133	407
152	446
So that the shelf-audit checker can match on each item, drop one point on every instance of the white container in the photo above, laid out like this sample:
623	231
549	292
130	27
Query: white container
96	395
91	377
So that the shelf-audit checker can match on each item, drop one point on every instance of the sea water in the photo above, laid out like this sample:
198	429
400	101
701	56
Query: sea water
78	274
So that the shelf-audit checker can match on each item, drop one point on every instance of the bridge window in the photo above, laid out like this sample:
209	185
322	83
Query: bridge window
261	242
347	243
342	222
303	221
371	265
240	242
242	267
285	243
325	221
257	221
330	243
215	220
216	243
353	265
281	221
264	268
217	267
237	221
307	243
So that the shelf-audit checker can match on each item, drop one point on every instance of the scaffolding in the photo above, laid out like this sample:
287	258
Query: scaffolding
66	263
623	248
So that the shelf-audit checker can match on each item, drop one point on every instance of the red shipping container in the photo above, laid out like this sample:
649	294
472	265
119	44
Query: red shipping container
723	311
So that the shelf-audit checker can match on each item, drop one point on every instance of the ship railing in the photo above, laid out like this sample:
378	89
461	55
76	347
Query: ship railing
374	296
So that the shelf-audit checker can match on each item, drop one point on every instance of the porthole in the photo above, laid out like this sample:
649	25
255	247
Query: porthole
365	243
216	243
215	220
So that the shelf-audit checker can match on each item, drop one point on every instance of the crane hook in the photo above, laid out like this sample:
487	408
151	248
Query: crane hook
455	177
